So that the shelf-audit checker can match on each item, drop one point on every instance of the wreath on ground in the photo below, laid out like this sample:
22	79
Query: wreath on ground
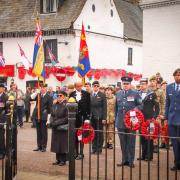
133	119
150	129
86	133
166	139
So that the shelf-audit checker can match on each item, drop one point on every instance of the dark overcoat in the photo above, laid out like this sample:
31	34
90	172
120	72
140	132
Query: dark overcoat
59	117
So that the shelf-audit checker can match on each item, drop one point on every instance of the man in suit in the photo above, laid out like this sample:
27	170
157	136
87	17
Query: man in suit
150	110
45	109
126	99
98	116
172	114
3	100
83	100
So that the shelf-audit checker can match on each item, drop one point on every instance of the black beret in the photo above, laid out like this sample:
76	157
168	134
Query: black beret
95	82
62	92
2	85
126	79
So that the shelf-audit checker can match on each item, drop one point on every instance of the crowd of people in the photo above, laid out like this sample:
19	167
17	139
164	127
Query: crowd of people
105	107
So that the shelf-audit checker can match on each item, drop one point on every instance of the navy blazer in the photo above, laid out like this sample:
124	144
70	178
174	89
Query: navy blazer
172	109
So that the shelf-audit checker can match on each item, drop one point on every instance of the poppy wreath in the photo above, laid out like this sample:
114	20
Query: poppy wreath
133	122
166	139
150	129
85	133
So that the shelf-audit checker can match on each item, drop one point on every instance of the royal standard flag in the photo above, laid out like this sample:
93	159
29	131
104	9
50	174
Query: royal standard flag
38	56
84	63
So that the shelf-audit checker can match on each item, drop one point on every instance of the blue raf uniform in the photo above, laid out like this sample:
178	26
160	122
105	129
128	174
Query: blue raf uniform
172	114
125	101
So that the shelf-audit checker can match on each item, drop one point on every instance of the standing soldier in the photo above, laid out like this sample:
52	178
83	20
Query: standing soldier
3	99
126	100
99	114
161	101
111	101
45	109
150	110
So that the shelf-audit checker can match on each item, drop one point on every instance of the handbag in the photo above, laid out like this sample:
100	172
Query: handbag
63	127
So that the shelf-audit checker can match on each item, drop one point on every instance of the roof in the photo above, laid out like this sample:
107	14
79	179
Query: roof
19	15
132	17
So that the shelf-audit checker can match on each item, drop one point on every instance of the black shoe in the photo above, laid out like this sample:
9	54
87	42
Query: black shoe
43	150
106	146
131	165
110	146
156	150
175	168
123	164
93	152
56	163
2	156
62	163
37	149
98	152
162	146
142	158
79	157
148	159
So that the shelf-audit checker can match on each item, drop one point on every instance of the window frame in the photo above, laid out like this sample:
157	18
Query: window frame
1	47
48	10
130	56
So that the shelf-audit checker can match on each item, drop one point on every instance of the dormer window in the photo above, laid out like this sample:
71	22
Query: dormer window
49	6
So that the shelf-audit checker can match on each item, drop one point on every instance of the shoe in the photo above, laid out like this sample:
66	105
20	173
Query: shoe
110	146
123	164
37	149
148	159
79	157
175	168
93	152
156	150
162	146
106	146
2	156
98	152
131	165
62	163
142	158
43	150
56	163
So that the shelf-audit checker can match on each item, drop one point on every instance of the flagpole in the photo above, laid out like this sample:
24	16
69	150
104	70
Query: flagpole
38	103
83	81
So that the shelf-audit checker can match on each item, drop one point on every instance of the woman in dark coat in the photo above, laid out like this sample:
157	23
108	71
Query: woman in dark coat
59	124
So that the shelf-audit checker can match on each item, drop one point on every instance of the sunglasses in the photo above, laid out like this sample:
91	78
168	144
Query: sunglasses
95	85
60	95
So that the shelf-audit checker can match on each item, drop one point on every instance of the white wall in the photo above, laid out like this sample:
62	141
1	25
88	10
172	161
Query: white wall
161	41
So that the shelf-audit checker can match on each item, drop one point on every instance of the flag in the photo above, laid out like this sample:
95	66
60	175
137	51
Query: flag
2	60
24	59
84	63
51	56
38	56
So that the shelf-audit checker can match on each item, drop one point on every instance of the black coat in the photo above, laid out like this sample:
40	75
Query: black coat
99	106
45	107
59	140
83	107
3	107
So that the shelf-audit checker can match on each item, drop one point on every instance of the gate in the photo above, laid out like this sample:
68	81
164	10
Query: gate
9	162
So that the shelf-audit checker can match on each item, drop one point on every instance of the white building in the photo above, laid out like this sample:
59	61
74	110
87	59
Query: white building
113	33
161	37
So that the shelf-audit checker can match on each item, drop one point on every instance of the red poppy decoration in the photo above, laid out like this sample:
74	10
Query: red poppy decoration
86	133
166	139
21	72
133	119
150	129
69	71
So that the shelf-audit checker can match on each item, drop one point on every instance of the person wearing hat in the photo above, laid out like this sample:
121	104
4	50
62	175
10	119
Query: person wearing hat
126	99
83	100
3	100
45	109
98	116
172	115
161	100
59	124
150	110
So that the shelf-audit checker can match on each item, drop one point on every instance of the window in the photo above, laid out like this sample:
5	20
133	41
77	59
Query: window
1	47
93	8
130	52
48	6
52	44
111	12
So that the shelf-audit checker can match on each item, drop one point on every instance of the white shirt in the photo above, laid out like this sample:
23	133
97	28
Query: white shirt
78	96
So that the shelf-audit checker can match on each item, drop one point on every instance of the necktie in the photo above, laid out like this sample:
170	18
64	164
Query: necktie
177	88
95	94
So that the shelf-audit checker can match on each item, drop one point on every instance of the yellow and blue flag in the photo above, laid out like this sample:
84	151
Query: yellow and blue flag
38	56
84	63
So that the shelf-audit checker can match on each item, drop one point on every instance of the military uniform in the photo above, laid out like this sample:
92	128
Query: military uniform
111	102
125	101
3	99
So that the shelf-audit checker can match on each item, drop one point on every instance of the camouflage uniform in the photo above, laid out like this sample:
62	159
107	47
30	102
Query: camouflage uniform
111	101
